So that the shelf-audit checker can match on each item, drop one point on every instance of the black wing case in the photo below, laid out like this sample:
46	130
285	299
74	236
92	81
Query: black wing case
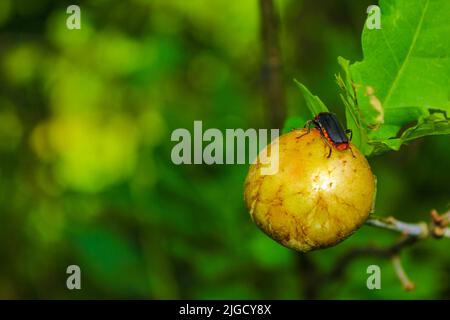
331	125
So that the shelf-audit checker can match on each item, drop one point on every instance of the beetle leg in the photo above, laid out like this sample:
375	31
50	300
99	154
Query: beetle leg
308	126
327	142
350	132
331	149
351	150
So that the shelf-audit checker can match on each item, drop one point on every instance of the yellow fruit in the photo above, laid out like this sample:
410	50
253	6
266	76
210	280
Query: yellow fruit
312	201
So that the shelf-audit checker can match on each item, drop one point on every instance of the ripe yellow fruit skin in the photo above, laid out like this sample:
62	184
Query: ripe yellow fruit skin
312	202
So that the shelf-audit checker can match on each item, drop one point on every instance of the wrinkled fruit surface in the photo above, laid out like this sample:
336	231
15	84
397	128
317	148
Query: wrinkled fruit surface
312	201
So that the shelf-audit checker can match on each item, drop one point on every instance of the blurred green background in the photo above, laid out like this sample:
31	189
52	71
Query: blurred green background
85	170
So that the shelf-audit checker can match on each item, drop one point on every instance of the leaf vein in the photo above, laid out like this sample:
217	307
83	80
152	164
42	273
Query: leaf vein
413	43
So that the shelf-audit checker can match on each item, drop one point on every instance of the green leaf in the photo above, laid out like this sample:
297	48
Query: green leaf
315	105
292	123
405	72
432	125
352	113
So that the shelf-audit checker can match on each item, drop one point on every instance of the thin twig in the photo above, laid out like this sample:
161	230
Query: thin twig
411	234
413	229
272	64
352	254
408	285
437	227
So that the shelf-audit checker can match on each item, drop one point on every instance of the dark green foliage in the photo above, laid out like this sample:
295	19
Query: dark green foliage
85	123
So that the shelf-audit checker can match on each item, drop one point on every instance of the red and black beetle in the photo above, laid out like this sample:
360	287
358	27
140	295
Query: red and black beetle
331	131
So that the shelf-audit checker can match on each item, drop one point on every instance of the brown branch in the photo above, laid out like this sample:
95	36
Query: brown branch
411	234
352	254
272	64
